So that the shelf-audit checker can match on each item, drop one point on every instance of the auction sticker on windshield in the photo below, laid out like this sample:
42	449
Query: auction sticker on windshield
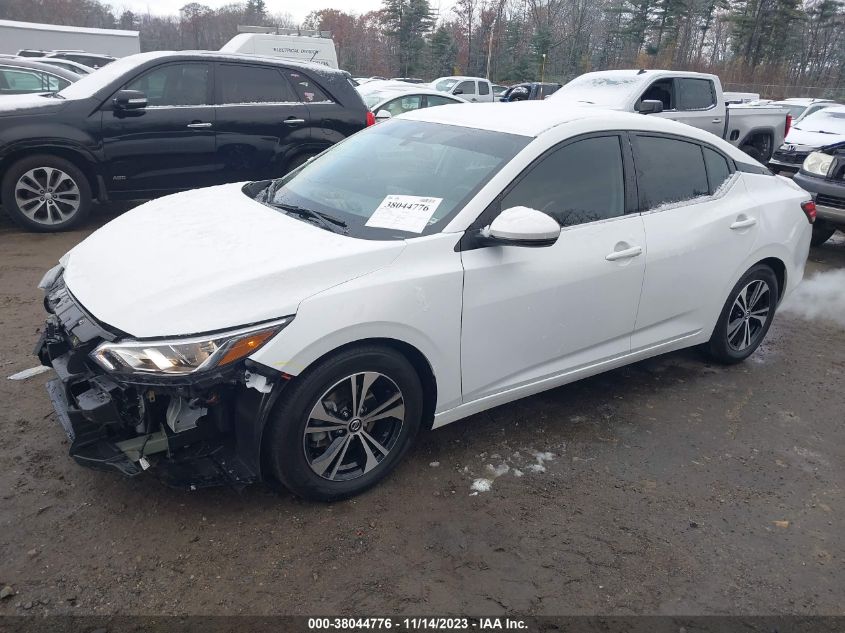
404	213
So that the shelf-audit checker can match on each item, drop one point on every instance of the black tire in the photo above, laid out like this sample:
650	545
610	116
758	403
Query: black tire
288	443
726	344
299	160
822	232
754	153
73	186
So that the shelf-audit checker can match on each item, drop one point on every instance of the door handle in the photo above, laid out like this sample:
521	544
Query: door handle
198	125
293	121
716	121
743	223
626	253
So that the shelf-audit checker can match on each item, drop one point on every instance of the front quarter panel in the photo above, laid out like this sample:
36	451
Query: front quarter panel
416	300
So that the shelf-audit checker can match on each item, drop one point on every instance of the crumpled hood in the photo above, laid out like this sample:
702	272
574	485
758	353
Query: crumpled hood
210	259
807	139
11	105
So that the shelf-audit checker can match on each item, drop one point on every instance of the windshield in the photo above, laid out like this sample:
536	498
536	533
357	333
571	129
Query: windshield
829	120
398	179
445	85
603	89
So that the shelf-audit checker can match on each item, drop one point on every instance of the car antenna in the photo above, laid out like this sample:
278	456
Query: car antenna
642	71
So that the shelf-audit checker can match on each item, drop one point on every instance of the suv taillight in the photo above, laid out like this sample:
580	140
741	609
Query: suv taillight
788	125
809	209
371	118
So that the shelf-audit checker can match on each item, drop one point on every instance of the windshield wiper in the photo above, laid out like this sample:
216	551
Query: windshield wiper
331	223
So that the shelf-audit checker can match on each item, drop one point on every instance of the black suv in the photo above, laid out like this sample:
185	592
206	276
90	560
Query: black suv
823	175
156	123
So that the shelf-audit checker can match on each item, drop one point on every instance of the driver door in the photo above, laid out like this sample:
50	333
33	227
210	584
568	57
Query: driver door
531	314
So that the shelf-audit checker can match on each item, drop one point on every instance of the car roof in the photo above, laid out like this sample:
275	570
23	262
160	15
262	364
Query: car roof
804	100
533	118
46	68
243	57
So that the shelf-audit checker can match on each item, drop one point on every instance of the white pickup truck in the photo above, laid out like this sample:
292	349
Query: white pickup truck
692	98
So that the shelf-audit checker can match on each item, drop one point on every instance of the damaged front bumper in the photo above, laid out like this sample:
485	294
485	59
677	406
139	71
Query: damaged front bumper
194	431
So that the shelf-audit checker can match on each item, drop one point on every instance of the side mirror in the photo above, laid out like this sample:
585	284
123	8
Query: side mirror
383	115
650	106
458	92
130	100
521	226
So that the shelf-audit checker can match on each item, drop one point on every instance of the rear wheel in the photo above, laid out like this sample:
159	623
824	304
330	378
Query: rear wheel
746	316
46	193
345	424
822	232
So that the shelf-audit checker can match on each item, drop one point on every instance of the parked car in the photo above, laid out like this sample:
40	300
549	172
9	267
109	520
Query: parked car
162	122
304	329
823	128
92	60
474	89
692	98
799	107
529	91
823	175
22	76
410	80
390	101
66	64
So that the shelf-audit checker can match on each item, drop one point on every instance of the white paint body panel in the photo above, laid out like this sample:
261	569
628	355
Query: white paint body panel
495	323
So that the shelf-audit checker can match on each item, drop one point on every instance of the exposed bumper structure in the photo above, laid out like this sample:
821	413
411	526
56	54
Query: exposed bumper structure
194	432
828	194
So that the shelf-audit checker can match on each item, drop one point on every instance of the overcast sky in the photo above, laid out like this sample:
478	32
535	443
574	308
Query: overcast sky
298	9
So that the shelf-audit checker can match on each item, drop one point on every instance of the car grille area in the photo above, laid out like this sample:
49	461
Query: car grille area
790	158
830	201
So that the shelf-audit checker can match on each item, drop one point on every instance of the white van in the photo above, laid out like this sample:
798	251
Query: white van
304	48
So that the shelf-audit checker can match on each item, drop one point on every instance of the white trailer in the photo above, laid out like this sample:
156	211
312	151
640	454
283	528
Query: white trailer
15	36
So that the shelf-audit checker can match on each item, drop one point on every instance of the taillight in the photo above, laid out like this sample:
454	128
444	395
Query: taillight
371	118
809	209
788	125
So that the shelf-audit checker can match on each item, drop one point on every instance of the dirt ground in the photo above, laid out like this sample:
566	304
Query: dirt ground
669	487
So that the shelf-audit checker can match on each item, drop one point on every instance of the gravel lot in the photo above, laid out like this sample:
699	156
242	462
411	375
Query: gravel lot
669	487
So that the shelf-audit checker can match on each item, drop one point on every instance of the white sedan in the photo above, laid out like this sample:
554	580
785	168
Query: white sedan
303	330
387	99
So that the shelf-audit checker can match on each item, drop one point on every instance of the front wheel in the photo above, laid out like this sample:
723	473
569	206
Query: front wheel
345	424
822	232
46	193
746	316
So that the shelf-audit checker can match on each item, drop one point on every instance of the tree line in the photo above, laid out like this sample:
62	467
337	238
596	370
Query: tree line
775	47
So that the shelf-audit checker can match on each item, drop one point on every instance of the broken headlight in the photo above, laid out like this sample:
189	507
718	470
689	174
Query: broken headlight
185	355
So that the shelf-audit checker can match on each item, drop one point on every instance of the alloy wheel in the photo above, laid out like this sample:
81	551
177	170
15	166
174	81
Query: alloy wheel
353	426
47	195
749	314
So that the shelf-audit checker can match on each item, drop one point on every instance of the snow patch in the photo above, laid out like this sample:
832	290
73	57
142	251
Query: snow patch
481	485
434	464
29	373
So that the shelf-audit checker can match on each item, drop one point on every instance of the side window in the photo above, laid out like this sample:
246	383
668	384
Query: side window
307	91
662	90
466	87
718	170
56	83
483	88
403	104
174	85
578	183
435	100
22	81
252	84
669	171
695	94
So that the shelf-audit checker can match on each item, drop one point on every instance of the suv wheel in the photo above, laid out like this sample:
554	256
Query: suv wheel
46	193
746	316
344	425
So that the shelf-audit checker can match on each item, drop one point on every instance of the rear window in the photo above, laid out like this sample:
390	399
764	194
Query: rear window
718	170
483	88
669	171
306	88
252	84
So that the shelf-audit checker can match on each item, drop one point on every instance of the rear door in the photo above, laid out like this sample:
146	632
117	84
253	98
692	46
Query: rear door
260	124
169	145
696	240
484	91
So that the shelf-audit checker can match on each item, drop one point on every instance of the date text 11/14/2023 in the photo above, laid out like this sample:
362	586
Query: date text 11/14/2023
417	624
